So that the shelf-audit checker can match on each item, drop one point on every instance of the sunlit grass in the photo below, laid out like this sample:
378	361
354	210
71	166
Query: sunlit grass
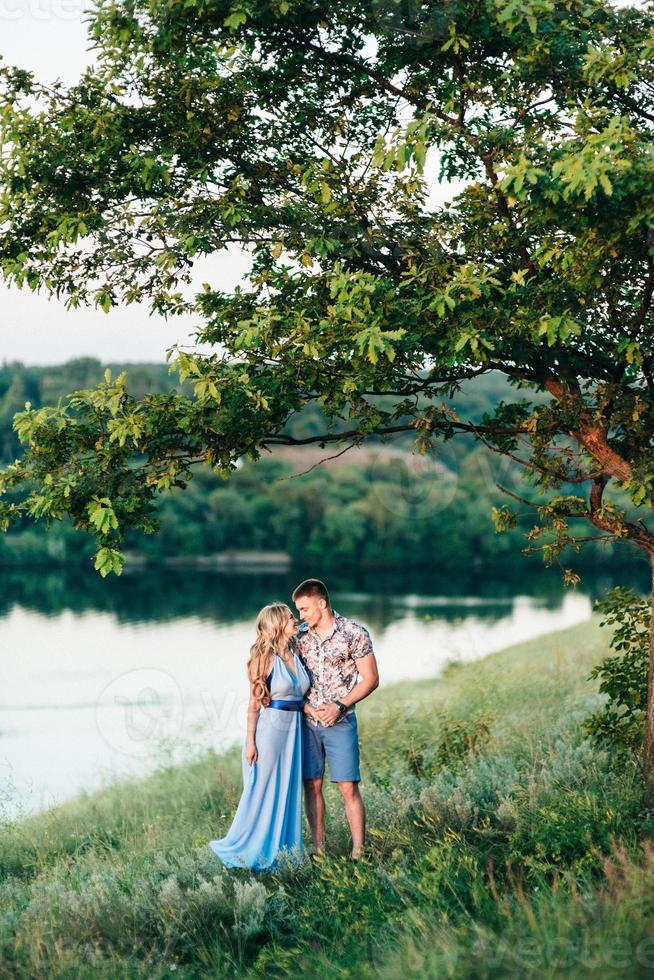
501	843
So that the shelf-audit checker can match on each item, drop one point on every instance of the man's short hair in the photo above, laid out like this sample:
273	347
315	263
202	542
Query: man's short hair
312	587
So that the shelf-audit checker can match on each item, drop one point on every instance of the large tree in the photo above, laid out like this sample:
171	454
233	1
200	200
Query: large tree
313	135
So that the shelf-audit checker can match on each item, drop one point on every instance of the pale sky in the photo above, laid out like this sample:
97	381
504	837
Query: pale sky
49	38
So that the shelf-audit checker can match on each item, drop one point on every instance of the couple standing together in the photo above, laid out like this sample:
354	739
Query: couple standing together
303	688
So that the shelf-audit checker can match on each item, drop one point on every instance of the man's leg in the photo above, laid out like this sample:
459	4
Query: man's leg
356	815
342	751
315	804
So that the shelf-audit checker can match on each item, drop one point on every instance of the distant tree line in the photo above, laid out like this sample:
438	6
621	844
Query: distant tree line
385	507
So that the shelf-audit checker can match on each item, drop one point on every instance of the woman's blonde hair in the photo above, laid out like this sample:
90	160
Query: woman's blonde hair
271	623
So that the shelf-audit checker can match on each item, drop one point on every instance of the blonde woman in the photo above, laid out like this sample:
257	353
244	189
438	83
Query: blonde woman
269	814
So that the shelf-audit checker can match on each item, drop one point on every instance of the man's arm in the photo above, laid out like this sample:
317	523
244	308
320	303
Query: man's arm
367	668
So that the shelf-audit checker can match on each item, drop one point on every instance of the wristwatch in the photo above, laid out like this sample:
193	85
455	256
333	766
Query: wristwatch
341	707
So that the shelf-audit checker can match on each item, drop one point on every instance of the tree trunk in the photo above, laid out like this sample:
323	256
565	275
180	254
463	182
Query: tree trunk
648	753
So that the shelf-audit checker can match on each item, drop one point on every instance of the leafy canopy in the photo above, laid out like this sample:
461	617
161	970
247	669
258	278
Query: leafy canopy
314	135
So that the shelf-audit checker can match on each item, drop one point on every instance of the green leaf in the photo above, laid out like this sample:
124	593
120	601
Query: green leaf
235	19
102	515
607	187
109	560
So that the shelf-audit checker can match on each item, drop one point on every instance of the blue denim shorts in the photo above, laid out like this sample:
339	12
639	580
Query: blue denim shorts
337	743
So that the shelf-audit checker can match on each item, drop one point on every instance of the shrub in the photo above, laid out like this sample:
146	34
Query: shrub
458	739
620	723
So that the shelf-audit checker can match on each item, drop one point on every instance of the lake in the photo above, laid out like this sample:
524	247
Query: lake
102	679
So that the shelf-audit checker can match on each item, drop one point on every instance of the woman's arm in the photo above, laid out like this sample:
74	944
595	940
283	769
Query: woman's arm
254	708
309	711
251	754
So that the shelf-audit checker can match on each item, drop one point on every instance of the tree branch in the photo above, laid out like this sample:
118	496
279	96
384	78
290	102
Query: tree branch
593	438
278	439
647	298
327	459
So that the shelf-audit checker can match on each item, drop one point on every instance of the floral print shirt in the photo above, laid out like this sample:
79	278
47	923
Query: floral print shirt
332	662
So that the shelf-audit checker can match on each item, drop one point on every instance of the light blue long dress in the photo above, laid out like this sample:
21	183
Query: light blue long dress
269	814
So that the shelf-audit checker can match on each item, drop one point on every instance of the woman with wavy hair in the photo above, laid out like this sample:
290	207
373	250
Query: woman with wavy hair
269	814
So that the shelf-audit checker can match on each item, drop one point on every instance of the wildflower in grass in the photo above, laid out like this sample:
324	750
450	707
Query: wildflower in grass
71	903
449	808
170	893
249	908
507	813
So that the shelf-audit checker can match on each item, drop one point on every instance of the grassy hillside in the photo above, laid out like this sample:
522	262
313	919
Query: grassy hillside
501	844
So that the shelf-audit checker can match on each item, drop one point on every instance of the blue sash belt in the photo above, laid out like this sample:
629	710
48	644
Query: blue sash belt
286	705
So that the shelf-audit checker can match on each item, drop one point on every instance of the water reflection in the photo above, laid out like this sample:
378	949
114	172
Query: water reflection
154	594
111	678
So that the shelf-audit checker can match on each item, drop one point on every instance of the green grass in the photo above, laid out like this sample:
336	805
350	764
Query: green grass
501	844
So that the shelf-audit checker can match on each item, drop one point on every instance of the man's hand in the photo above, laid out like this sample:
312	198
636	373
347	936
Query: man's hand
328	714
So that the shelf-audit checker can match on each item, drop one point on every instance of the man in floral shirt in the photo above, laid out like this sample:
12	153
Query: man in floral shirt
335	650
